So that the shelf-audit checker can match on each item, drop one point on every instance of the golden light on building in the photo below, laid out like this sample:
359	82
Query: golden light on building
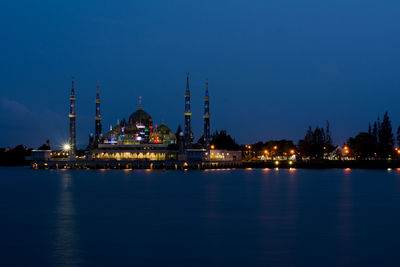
292	151
275	147
212	147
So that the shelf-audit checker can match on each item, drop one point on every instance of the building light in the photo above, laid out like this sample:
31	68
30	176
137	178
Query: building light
292	151
66	147
212	147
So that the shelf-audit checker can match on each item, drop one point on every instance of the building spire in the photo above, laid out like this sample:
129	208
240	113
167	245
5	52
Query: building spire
188	135
72	87
72	120
206	117
187	81
98	87
206	86
97	118
140	102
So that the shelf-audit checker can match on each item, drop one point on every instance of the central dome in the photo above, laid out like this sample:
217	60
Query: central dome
140	116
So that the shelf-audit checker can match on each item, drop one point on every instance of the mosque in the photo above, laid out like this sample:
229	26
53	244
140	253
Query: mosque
139	143
138	139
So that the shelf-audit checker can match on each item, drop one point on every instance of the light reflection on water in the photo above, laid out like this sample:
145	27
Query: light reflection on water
65	247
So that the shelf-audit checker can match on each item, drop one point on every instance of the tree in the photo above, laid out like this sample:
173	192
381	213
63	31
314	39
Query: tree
360	145
328	140
385	134
222	140
316	143
398	137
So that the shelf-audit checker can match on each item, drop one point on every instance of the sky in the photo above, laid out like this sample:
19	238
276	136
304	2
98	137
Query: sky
274	67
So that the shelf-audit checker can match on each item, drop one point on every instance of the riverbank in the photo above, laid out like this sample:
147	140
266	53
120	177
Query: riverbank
177	165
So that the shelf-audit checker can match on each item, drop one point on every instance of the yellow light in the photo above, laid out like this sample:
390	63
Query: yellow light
276	162
66	147
290	162
265	151
347	169
346	148
398	151
212	146
292	151
275	147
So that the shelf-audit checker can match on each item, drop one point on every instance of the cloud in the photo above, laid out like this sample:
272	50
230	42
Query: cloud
20	124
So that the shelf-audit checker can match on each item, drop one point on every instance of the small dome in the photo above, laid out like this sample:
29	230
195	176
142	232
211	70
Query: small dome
163	135
163	129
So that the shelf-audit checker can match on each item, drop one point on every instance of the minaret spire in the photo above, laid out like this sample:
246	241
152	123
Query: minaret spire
72	119
140	102
188	114
206	118
97	118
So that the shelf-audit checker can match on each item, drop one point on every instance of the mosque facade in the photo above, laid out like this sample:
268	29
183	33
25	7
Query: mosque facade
139	138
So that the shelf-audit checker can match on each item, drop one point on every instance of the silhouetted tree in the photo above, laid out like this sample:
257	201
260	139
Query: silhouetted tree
222	140
45	146
386	140
398	137
360	146
316	142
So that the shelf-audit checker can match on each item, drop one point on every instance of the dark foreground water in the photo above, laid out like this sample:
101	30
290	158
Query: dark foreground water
199	218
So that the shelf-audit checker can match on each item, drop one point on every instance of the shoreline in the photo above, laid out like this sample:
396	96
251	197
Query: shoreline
173	165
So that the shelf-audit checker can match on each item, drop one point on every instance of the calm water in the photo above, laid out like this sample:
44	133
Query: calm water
199	218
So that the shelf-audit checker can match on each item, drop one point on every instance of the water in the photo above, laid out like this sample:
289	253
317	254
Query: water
199	218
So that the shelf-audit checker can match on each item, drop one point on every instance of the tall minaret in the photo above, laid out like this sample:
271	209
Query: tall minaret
97	118
72	119
206	117
188	114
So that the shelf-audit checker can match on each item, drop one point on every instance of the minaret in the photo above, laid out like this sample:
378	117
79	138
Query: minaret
188	114
72	119
206	117
97	118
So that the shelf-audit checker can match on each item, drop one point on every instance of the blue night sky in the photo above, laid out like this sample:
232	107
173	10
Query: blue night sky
274	67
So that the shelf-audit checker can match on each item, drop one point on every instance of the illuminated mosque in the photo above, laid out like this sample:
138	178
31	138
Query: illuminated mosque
139	139
139	143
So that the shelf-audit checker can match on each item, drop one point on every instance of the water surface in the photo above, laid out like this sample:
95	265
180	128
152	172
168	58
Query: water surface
199	218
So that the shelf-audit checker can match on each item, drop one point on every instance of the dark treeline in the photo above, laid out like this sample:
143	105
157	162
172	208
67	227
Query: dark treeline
220	140
376	143
14	156
316	143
